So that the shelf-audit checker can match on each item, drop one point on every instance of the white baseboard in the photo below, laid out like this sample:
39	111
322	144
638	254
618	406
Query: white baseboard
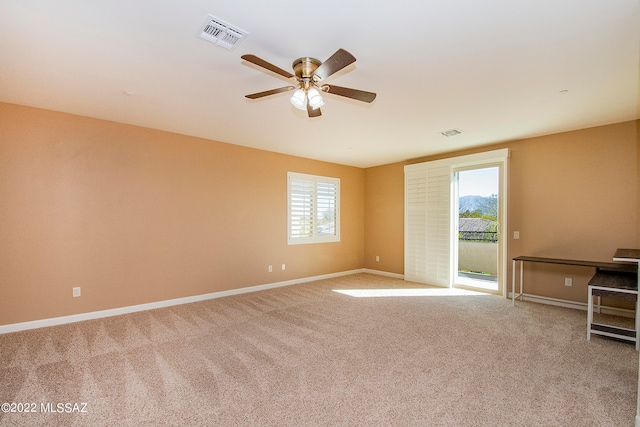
383	273
576	305
43	323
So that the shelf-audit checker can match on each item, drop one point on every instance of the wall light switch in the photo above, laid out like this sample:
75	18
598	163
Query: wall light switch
270	268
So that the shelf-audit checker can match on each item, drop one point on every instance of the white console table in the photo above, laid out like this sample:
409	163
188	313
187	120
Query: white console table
632	255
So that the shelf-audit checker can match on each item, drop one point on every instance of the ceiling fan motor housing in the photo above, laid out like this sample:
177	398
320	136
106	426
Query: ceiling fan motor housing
304	69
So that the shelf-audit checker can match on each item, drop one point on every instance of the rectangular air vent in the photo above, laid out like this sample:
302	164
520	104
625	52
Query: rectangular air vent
221	33
452	132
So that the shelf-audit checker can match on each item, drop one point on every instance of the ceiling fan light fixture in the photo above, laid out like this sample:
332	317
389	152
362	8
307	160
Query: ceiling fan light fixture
308	72
315	100
299	99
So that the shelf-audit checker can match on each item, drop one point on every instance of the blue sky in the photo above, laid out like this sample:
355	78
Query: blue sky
478	182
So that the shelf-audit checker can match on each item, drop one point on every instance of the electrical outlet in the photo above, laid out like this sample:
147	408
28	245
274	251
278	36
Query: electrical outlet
568	281
283	266
377	258
270	268
76	291
516	235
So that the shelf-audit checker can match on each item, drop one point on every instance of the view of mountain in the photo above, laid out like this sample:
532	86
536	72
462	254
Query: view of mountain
487	205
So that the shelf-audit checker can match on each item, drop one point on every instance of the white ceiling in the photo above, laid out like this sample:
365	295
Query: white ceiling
495	69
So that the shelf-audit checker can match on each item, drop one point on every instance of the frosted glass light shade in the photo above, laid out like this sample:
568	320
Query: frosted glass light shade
315	100
299	100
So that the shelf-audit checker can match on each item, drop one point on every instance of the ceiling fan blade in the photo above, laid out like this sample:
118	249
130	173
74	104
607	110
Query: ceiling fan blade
359	95
312	112
269	66
269	92
336	62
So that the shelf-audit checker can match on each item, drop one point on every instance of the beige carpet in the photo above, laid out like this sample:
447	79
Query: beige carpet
304	355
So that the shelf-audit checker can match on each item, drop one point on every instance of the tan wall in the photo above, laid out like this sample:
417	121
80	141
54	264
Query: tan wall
384	218
588	179
571	195
134	215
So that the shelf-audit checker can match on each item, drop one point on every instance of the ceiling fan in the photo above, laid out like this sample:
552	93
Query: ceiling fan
309	72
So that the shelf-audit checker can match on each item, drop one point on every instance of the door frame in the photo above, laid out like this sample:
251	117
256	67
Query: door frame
502	264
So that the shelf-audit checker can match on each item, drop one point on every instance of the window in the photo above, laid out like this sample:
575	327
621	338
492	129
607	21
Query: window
314	208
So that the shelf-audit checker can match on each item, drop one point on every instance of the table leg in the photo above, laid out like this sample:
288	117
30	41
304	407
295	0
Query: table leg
638	316
513	283
637	323
589	313
521	281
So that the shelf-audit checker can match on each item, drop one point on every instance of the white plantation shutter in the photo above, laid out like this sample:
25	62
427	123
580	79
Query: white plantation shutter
301	208
438	230
314	209
427	224
415	226
326	193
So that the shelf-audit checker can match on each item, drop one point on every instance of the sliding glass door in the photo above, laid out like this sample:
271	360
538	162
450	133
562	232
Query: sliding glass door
434	193
476	246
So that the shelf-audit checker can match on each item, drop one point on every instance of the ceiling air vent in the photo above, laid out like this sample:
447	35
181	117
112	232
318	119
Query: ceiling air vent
452	132
221	33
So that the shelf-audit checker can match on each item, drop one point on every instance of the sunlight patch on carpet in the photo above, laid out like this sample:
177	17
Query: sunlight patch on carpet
406	292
